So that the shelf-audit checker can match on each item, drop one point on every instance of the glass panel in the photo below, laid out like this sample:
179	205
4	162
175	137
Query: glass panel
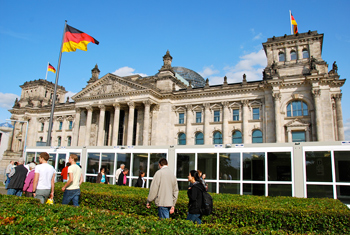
182	139
207	164
107	162
61	162
296	108
181	118
183	185
254	189
237	137
123	158
140	163
52	159
229	188
343	194
305	109
154	165
185	163
199	138
211	187
318	166
217	116
279	166
235	114
93	162
298	136
257	136
254	166
198	117
319	191
305	54
289	111
30	157
70	125
229	166
91	179
256	113
280	190
342	166
281	57
293	55
69	141
217	138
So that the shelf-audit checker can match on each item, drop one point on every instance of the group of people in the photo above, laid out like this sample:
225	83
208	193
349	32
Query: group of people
39	180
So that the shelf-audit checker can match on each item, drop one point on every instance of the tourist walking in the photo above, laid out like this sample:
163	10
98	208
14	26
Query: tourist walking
117	173
17	176
164	190
28	183
44	179
123	180
64	173
195	197
72	188
8	171
101	177
141	181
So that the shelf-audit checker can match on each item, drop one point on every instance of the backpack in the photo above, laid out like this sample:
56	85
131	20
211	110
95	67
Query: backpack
207	203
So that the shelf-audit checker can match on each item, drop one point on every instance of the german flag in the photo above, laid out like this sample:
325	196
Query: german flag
75	39
294	23
51	68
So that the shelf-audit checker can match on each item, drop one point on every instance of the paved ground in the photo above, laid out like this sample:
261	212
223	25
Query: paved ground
3	190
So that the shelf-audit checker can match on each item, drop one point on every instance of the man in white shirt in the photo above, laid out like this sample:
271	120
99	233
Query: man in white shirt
75	177
117	173
44	179
8	171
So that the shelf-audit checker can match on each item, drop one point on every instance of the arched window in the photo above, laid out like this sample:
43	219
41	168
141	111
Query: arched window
305	53
199	138
237	137
297	108
69	141
59	141
257	136
217	137
293	55
281	57
182	139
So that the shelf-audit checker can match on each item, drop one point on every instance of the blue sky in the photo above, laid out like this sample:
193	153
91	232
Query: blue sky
213	38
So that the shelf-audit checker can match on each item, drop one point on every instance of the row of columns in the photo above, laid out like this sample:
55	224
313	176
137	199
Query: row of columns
115	128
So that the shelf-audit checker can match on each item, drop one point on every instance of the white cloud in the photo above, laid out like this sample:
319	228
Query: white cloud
347	129
208	71
127	71
250	64
69	94
257	36
7	100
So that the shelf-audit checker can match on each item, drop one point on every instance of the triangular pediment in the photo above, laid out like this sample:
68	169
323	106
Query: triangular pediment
297	123
110	84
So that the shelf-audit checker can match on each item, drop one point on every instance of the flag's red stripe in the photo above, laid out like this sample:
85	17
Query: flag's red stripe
78	37
51	67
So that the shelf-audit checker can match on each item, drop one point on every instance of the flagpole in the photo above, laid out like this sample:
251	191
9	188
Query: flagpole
47	69
48	141
290	20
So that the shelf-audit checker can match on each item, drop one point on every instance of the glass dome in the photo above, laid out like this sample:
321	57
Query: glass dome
190	75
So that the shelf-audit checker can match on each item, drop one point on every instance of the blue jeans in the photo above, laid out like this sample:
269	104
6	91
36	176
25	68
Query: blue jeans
196	218
163	212
7	180
71	195
16	192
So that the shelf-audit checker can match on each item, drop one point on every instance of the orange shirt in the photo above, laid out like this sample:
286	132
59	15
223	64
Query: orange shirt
64	173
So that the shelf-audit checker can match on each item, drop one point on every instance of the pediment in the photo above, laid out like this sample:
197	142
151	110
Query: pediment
297	123
110	84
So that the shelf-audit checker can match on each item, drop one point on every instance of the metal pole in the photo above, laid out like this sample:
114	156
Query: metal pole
290	19
47	69
48	141
25	142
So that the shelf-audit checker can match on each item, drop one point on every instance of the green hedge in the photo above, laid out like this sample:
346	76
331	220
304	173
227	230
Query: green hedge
28	216
241	214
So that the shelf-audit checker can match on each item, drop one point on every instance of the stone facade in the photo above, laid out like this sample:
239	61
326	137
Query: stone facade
298	99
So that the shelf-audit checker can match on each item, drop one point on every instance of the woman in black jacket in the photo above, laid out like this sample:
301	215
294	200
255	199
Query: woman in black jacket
141	181
195	197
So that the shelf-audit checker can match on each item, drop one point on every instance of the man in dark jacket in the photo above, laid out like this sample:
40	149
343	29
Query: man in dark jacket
18	176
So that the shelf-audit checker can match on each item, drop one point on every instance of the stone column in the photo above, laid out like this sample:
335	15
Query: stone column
206	123
225	119
318	107
75	136
189	118
277	97
147	104
245	120
290	137
130	122
88	125
307	133
101	126
116	124
339	113
9	144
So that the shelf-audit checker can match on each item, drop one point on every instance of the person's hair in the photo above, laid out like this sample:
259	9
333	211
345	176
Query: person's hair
16	163
74	157
68	164
141	172
102	168
31	165
195	175
20	161
163	162
122	165
199	173
125	170
45	156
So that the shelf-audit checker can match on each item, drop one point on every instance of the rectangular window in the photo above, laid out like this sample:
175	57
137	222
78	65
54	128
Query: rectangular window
181	118
256	114
70	125
69	141
198	117
235	114
60	126
298	136
42	127
217	116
